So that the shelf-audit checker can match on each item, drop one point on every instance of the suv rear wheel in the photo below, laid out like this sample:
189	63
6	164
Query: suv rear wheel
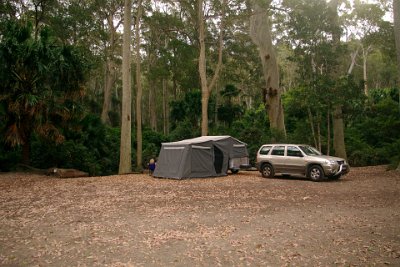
267	170
315	173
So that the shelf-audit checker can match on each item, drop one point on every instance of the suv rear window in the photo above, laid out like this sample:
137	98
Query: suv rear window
278	151
265	150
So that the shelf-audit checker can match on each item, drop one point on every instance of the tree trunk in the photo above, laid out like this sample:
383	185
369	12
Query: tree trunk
153	108
217	90
328	139
139	90
353	61
338	132
202	71
261	35
108	85
310	118
365	53
110	74
125	158
337	120
396	16
365	73
319	132
151	116
165	106
205	88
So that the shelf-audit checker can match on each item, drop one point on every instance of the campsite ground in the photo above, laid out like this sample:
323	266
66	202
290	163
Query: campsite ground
238	220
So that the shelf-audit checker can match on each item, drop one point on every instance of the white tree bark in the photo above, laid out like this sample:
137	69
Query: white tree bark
125	156
139	90
205	87
396	16
353	61
110	66
109	81
338	124
365	53
260	33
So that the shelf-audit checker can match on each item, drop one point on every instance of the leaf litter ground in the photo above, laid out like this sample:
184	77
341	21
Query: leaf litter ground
236	220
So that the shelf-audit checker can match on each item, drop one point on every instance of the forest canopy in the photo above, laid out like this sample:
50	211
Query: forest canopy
196	67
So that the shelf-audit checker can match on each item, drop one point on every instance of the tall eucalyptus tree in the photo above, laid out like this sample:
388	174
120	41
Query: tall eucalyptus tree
139	89
396	16
110	14
338	124
260	33
125	158
206	86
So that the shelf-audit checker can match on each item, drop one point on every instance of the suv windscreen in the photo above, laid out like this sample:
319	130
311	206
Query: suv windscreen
310	151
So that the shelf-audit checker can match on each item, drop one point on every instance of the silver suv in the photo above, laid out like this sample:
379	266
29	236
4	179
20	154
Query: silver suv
305	160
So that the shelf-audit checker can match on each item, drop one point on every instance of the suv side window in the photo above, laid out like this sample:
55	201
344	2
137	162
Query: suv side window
265	150
293	151
278	151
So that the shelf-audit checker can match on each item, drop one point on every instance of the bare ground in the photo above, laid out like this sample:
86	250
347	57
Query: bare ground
237	220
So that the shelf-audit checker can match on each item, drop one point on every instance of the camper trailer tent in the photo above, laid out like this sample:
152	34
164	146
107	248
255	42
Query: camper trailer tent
205	156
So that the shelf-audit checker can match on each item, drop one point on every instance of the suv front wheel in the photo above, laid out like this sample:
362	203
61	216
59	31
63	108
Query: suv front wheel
315	173
267	170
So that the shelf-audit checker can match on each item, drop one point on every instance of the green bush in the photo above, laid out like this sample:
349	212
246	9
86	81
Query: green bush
93	149
9	157
151	145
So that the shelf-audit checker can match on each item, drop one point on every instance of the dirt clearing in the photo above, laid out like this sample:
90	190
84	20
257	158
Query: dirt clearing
237	220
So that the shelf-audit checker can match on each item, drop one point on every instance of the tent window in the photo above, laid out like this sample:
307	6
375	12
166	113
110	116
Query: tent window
239	145
201	147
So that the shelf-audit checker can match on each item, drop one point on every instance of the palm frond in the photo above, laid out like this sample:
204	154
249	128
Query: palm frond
13	136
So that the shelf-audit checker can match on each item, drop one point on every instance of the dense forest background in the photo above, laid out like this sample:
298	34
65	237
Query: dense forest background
61	78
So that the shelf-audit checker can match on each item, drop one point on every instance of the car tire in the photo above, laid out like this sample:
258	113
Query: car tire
267	170
234	171
315	173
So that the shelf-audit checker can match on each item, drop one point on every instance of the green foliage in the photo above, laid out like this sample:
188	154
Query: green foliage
184	130
151	145
374	136
229	111
94	148
188	108
360	152
9	158
253	129
186	114
312	102
41	83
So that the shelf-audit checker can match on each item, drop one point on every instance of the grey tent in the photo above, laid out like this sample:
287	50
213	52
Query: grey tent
204	156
